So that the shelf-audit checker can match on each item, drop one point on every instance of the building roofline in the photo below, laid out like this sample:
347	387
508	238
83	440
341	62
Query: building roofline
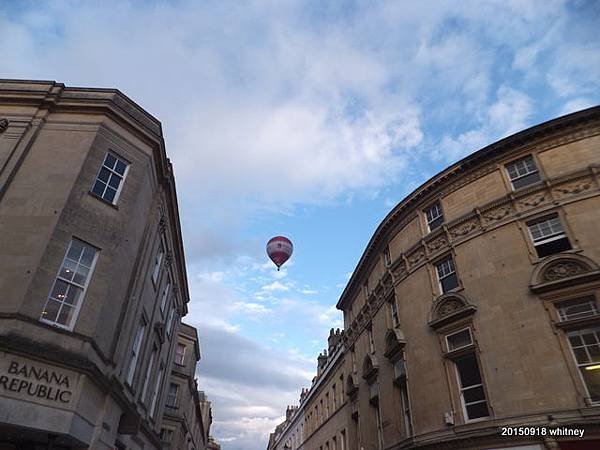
446	176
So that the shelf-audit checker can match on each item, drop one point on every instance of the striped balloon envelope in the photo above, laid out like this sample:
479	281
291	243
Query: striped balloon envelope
279	250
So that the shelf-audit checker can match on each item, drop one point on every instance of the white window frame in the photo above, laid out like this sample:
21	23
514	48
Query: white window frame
156	392
136	348
440	213
169	324
582	366
82	287
112	171
519	175
165	294
455	333
182	363
554	236
153	357
437	272
158	259
589	299
461	390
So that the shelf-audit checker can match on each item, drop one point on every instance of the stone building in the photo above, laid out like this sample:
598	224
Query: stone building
319	422
187	415
92	269
472	320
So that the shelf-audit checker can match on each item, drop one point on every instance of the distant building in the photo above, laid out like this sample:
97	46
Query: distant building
472	319
187	415
92	270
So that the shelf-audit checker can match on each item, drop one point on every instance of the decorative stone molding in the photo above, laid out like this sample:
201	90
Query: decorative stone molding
370	368
448	308
351	387
513	206
464	228
562	270
532	201
574	188
394	344
3	125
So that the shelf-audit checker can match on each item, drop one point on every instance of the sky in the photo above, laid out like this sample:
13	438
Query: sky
309	119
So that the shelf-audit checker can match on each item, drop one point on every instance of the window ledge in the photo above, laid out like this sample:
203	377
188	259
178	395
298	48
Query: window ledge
93	194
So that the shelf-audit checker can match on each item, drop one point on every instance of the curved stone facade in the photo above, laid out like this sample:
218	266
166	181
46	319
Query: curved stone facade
489	274
475	304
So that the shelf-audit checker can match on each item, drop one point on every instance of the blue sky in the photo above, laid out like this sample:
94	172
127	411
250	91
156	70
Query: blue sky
307	119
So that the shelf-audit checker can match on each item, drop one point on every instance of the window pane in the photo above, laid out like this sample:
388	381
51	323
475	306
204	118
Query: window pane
59	290
589	337
114	181
68	270
72	295
459	340
51	310
436	223
581	355
592	381
550	248
110	161
468	371
88	257
120	167
75	250
575	340
80	275
449	283
66	312
526	180
104	174
473	394
594	351
477	410
109	195
98	188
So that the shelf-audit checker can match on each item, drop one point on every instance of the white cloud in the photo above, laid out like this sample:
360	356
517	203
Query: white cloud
275	286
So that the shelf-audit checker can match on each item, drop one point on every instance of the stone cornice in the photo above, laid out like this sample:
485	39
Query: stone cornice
553	133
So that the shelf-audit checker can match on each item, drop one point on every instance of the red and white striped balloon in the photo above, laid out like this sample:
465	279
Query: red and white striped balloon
279	250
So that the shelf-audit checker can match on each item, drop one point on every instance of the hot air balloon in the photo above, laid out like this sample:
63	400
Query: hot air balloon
279	250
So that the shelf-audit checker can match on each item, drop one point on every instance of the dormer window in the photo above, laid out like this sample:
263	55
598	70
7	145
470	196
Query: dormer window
434	215
523	172
548	235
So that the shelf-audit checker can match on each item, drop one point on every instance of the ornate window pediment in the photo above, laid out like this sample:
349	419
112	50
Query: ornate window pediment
370	368
394	344
449	308
351	387
563	270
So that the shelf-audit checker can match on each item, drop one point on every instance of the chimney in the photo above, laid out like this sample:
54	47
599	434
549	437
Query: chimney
334	339
321	362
